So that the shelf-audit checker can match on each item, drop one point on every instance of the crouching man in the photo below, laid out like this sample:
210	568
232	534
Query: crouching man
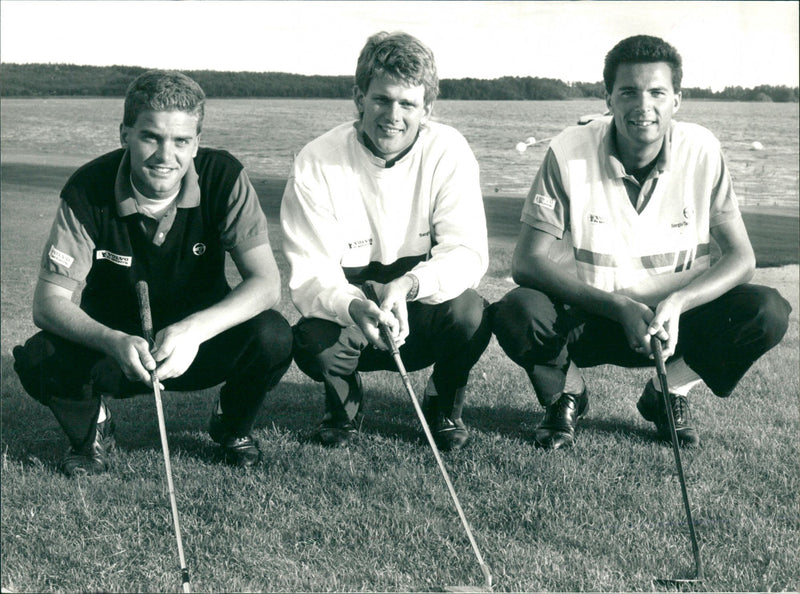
163	210
392	198
637	197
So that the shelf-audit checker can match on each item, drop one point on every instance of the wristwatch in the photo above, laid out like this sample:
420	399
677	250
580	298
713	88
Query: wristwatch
412	292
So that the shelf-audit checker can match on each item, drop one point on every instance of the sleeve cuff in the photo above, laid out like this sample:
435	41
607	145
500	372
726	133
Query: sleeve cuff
59	279
428	284
341	305
251	242
556	232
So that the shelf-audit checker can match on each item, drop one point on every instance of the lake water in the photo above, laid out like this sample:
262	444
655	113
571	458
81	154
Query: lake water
266	133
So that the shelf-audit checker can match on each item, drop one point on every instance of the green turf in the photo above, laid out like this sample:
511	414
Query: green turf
604	516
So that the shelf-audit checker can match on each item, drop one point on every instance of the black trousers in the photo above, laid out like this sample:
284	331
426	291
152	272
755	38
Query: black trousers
69	378
451	336
719	340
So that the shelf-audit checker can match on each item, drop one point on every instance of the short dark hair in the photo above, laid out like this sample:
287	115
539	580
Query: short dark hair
642	49
164	90
400	56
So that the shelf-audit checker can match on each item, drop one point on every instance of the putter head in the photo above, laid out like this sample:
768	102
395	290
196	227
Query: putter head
678	583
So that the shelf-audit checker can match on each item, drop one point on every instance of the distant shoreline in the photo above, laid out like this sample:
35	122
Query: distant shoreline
302	98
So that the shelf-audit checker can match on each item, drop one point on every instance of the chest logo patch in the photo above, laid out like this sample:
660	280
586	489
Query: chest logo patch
59	257
199	249
354	245
544	201
594	218
688	213
114	258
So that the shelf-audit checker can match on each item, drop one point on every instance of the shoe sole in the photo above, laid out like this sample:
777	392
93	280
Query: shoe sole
449	443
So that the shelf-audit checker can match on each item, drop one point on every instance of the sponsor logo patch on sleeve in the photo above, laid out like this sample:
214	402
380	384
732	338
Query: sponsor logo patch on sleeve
114	258
59	257
544	201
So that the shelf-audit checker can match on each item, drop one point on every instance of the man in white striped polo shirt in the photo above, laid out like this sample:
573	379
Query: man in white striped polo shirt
615	249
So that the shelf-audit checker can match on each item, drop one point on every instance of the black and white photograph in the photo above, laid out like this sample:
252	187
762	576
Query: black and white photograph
399	296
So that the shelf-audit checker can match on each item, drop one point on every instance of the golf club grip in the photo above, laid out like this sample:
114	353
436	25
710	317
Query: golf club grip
143	294
658	357
658	352
386	335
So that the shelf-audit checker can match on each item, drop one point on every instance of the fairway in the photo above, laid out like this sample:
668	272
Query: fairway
376	516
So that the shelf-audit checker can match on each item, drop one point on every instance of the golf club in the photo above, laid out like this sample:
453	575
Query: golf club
147	328
661	370
386	335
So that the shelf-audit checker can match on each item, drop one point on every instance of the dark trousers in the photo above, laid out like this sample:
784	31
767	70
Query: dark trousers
719	340
69	378
451	336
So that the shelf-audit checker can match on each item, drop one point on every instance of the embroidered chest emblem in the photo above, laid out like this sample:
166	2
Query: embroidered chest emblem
114	258
354	245
199	249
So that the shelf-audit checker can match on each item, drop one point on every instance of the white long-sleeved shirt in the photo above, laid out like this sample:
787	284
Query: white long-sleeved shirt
346	218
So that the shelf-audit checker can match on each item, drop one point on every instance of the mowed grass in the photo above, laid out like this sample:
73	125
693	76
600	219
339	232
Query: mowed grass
376	516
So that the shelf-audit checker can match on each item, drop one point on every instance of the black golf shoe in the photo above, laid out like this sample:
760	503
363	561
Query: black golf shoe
238	450
651	407
337	428
448	433
93	458
334	432
557	428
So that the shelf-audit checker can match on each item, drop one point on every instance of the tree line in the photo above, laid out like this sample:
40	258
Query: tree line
43	80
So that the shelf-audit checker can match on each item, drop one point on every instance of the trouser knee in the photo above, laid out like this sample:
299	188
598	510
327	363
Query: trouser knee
323	348
771	316
524	322
465	315
272	338
50	367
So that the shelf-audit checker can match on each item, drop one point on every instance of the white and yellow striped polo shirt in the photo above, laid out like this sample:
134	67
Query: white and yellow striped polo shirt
580	193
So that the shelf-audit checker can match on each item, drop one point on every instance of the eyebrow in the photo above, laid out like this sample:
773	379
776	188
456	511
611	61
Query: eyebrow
152	134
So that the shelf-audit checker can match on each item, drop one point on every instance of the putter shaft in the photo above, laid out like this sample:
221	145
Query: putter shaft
661	371
162	429
143	295
386	335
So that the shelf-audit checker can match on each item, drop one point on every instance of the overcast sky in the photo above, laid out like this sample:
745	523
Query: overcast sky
722	43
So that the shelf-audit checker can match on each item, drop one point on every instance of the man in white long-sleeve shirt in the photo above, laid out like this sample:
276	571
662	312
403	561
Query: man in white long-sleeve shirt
391	198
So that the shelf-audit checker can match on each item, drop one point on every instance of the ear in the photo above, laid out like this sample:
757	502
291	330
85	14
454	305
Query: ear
196	145
426	112
678	97
358	97
608	102
123	135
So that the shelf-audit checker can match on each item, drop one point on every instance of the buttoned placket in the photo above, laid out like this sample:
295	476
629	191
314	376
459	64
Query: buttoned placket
645	190
164	225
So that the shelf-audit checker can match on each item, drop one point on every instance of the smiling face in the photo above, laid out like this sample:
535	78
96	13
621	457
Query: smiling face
391	114
643	102
162	145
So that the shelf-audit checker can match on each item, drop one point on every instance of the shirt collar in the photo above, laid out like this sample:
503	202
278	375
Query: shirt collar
188	196
614	163
361	139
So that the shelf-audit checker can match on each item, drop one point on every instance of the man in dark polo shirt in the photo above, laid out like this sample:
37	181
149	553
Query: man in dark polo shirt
164	210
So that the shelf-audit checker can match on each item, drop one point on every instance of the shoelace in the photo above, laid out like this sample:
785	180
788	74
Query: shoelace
680	408
562	405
